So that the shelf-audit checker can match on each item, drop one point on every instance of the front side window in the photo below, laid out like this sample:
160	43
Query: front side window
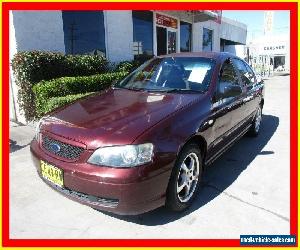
227	77
84	32
228	73
142	32
185	37
169	74
207	40
247	75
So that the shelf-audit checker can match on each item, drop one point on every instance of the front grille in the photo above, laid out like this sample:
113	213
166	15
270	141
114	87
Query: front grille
61	149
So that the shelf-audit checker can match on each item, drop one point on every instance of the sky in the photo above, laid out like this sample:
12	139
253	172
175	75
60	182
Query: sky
255	21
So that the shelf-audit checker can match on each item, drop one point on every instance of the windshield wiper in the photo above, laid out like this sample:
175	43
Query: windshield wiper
129	88
163	90
182	91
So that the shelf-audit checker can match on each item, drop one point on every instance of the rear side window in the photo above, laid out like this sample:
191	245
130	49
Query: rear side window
247	75
251	73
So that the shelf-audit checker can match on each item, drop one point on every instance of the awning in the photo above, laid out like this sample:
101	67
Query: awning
205	15
196	16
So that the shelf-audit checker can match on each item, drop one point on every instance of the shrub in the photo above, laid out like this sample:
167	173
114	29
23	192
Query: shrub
34	66
65	86
56	102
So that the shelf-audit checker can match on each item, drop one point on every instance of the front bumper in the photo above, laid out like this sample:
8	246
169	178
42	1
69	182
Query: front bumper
121	191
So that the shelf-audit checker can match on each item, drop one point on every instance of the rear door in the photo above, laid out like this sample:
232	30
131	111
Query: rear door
248	80
253	88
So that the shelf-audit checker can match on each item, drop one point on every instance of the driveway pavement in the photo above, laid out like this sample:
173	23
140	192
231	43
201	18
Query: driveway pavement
246	191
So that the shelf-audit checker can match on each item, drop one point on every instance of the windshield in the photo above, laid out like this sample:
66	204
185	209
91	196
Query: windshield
169	74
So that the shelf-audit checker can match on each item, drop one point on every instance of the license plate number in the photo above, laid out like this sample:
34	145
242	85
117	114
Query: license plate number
52	173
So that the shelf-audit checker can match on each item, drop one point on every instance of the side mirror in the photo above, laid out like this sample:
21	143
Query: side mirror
228	89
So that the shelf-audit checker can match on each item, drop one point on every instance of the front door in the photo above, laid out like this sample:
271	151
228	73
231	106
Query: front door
249	99
166	40
161	36
171	41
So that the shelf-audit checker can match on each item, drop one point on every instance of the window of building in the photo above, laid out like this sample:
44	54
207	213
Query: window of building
279	63
207	44
84	32
185	37
142	33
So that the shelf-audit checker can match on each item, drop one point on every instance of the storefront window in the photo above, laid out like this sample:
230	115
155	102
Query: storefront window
207	40
185	37
84	32
142	33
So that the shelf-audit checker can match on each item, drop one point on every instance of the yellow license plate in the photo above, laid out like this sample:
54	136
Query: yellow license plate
52	173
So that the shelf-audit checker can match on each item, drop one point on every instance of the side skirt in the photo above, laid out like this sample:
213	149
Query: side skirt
227	146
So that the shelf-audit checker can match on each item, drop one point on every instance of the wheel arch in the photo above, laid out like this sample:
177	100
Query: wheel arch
198	140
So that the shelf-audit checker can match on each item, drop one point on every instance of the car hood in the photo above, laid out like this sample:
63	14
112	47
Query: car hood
114	117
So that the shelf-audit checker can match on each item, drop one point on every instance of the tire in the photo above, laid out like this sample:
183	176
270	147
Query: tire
256	123
184	183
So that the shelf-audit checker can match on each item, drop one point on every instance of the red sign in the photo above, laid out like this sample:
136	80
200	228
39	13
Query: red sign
166	21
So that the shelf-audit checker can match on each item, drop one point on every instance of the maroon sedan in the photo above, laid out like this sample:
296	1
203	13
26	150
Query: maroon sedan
144	142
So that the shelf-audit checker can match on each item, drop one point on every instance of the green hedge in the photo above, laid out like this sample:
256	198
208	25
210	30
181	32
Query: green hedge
56	102
34	66
65	86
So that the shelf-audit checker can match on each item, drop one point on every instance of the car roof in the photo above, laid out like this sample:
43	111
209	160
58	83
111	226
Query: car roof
211	55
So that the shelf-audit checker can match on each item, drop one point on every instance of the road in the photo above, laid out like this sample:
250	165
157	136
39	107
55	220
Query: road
246	191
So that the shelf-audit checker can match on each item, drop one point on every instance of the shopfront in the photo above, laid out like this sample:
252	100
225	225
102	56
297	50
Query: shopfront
166	34
270	55
157	33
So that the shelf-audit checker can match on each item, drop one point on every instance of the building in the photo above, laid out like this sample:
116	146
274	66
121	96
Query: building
270	55
121	35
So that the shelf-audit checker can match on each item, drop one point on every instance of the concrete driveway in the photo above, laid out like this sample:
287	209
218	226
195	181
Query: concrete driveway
246	191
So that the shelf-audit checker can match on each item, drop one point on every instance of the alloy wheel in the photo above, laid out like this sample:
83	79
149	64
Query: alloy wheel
188	177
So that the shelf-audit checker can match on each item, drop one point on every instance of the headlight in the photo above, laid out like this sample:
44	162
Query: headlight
123	156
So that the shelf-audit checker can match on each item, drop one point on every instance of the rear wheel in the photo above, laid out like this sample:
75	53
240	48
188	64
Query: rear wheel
255	127
185	178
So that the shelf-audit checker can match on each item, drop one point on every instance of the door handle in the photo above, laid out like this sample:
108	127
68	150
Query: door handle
210	122
207	124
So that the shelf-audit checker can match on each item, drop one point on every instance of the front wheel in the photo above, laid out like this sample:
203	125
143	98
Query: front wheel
255	126
185	179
